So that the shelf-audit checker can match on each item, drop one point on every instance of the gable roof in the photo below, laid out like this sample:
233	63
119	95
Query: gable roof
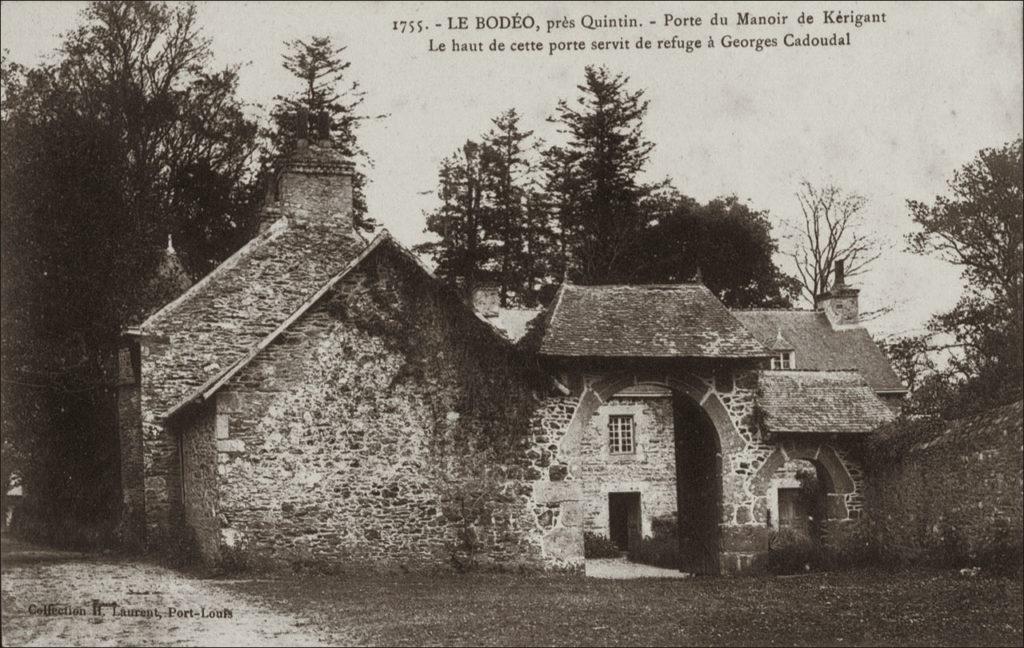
821	347
819	402
220	318
648	321
220	378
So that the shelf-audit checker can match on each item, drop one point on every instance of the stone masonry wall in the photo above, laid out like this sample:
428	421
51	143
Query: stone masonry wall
129	427
306	238
649	470
949	493
384	427
749	462
199	460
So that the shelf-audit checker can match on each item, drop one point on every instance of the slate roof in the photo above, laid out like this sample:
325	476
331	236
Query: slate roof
218	379
819	402
217	321
818	346
651	321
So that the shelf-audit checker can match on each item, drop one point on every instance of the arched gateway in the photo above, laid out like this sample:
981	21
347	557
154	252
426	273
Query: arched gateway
695	425
699	428
686	425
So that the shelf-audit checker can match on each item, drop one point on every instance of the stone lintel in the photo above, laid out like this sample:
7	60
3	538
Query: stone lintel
547	492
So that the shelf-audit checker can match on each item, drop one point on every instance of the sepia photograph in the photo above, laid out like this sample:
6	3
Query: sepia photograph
512	324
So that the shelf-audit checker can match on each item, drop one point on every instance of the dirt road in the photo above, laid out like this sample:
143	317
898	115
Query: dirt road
50	597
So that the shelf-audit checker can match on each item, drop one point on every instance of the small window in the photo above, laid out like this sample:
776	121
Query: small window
620	434
784	360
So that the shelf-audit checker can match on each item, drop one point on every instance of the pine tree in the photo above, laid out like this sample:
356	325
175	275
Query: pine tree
326	87
513	223
593	178
461	254
493	222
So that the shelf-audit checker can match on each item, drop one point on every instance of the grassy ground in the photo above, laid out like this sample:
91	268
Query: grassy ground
853	608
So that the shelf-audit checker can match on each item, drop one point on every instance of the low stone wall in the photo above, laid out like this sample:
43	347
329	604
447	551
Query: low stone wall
949	492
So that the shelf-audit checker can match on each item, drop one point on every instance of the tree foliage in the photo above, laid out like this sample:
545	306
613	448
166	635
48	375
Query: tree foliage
830	228
517	227
460	254
326	87
127	137
581	211
492	225
593	178
978	227
724	243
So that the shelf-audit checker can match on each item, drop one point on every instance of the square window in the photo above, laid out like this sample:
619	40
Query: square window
620	434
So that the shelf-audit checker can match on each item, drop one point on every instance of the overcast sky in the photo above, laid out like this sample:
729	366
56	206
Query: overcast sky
890	117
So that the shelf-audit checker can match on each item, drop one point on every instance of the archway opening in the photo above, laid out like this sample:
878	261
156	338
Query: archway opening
698	486
798	498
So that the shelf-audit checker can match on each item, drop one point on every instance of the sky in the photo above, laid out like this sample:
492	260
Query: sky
890	117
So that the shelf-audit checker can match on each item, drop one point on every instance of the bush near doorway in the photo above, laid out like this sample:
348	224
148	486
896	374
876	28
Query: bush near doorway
598	546
661	548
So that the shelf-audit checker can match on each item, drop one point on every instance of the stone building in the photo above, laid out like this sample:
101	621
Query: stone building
322	397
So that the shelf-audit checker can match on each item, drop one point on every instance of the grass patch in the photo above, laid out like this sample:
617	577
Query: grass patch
861	607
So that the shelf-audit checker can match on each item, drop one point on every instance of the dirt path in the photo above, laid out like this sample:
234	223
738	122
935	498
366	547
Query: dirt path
33	578
623	569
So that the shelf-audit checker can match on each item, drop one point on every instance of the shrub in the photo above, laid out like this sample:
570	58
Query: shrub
792	552
661	549
850	544
598	546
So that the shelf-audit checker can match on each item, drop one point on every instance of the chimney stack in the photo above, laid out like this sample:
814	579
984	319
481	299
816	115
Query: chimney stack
314	185
323	126
841	304
302	124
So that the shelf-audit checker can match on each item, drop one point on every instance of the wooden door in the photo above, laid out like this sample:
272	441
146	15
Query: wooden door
634	524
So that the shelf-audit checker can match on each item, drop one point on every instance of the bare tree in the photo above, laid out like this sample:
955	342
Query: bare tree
832	229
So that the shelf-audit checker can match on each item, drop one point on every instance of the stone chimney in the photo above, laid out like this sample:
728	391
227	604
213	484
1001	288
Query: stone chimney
485	300
314	185
841	303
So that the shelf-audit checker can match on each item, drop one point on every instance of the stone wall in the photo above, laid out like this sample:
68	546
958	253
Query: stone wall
385	426
650	470
951	492
749	461
129	428
556	492
200	488
306	237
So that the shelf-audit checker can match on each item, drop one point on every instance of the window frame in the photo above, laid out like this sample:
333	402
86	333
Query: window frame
784	360
616	437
